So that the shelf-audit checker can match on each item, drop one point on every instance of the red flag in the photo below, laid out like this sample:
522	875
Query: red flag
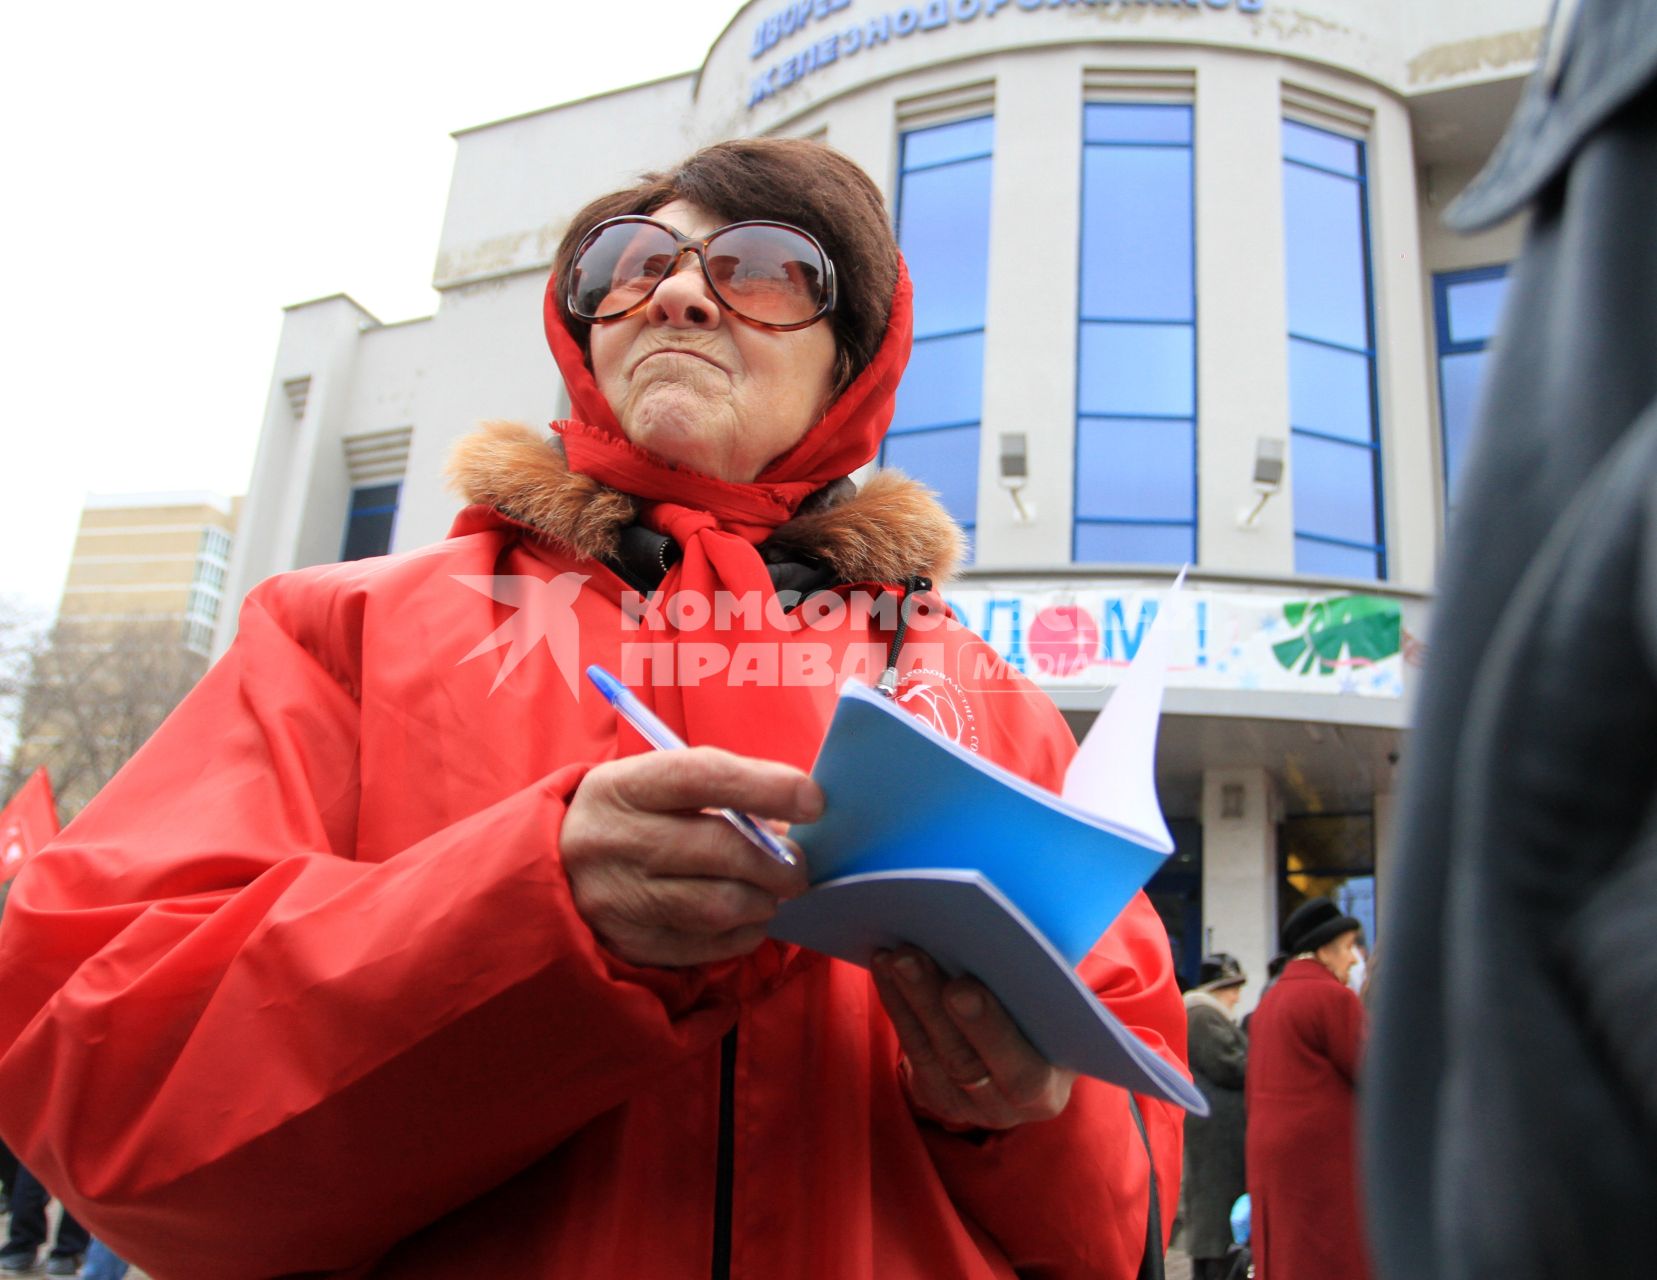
27	823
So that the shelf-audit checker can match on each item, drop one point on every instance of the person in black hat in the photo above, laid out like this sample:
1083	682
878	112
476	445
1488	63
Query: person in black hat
1304	1046
1317	930
1214	1145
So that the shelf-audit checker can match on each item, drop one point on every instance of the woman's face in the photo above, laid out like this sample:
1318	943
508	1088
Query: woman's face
1340	955
698	386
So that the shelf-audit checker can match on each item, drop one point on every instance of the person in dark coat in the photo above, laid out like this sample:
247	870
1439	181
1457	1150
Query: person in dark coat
1511	1098
1302	1106
1214	1144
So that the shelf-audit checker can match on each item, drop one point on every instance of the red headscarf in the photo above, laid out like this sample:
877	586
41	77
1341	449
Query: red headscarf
719	522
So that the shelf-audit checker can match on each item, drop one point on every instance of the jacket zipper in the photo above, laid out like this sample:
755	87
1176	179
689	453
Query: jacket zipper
725	1163
888	682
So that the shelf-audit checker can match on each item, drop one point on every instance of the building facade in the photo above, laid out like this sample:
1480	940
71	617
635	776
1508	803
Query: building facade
157	559
1182	296
135	625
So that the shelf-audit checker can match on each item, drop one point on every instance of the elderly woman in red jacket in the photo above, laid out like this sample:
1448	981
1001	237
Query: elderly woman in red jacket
395	955
1304	1045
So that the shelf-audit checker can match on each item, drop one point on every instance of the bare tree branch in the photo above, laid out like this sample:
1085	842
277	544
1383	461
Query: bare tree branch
91	698
22	636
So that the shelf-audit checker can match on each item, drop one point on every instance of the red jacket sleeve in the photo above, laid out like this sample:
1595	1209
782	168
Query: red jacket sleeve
199	985
1069	1198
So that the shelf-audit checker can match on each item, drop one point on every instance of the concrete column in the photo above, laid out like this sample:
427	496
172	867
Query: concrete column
1405	356
1385	807
1240	813
1242	359
1030	342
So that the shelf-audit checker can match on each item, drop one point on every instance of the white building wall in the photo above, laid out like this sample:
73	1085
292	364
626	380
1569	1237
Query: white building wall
299	483
1467	41
1242	318
516	182
1408	45
1446	250
1240	812
1402	343
393	363
495	366
1035	206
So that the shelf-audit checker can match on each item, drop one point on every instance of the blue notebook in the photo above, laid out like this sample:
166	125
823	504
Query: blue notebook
922	841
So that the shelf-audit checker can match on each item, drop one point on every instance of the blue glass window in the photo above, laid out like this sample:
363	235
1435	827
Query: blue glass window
1136	383
933	393
368	527
1157	486
1467	305
1322	149
946	458
1136	369
1336	460
944	232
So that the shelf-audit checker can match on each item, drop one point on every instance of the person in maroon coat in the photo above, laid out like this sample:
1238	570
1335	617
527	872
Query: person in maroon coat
1304	1044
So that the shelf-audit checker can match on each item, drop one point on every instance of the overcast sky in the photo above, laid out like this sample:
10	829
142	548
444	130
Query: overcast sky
177	173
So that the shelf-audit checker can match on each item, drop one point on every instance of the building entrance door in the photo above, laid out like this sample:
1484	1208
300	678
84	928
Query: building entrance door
1176	893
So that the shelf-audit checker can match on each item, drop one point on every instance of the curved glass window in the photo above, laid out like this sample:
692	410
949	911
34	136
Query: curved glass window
943	226
1467	305
1136	384
1333	422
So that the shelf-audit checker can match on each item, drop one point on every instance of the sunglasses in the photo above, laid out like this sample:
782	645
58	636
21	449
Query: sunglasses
768	273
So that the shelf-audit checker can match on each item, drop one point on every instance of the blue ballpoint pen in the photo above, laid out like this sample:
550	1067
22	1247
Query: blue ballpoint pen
658	735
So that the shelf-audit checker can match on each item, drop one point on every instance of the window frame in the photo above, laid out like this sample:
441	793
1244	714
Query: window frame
1444	345
353	513
1361	141
977	111
1077	520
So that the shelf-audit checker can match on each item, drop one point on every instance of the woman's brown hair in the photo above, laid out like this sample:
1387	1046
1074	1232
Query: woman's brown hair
787	180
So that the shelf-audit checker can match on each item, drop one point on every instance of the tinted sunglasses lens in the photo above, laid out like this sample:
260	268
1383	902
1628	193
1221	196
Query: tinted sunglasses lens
770	274
617	267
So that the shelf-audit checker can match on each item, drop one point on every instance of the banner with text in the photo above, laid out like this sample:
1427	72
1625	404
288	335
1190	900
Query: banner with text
1082	637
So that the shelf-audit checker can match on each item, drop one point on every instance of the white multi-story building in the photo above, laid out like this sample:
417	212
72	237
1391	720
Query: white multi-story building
1182	296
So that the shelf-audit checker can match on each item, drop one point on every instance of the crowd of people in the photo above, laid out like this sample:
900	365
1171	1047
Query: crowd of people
1281	1133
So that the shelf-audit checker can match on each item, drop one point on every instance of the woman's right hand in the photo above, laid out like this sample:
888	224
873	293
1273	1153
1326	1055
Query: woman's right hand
660	882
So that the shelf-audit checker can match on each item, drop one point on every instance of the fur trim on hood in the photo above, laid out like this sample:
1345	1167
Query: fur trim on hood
1203	1000
891	529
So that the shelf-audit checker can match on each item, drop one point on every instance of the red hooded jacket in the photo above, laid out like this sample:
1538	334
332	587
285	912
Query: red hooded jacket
304	990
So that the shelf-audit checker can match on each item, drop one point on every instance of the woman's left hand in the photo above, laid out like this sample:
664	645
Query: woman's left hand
968	1064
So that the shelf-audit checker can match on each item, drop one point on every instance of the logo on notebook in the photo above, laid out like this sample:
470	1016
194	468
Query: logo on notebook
937	700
